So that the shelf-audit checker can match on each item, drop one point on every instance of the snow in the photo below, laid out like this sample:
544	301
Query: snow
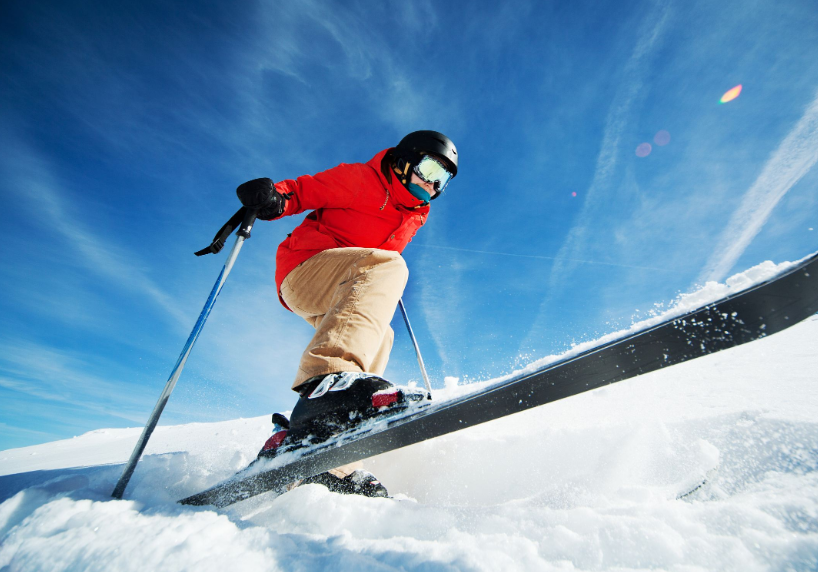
592	482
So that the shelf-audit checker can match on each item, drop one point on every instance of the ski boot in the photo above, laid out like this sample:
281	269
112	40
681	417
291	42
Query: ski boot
358	482
335	403
332	404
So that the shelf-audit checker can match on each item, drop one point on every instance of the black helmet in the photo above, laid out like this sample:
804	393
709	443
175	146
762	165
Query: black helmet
418	143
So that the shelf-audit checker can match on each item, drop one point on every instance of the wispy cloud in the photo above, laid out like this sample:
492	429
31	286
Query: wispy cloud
396	94
616	126
26	171
7	429
442	297
793	158
54	375
606	172
538	257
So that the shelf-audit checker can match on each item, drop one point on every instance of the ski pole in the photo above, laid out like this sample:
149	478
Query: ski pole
243	234
417	348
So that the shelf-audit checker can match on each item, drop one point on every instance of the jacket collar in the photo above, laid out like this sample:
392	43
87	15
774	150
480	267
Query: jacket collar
398	194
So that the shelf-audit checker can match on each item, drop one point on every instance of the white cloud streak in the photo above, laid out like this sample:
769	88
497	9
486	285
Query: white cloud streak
616	124
440	300
537	257
793	158
52	375
630	91
397	95
38	186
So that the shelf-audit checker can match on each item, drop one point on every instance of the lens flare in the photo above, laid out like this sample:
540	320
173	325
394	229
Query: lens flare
575	194
643	150
662	138
731	95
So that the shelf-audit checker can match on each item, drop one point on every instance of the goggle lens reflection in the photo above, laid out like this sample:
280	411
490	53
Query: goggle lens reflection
433	172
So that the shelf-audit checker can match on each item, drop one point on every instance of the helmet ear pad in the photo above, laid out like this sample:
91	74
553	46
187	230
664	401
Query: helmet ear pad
404	166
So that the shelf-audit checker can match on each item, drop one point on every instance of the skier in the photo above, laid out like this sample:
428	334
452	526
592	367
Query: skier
341	270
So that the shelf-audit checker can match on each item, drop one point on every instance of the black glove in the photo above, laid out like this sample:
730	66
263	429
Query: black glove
261	194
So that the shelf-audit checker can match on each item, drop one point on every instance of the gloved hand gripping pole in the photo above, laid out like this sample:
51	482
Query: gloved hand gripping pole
248	217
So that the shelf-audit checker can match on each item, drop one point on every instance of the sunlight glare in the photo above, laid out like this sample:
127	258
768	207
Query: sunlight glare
662	138
731	95
643	150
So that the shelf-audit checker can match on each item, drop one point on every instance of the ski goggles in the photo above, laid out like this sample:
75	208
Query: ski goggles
432	171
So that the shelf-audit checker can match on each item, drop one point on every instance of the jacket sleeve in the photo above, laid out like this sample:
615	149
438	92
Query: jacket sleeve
339	187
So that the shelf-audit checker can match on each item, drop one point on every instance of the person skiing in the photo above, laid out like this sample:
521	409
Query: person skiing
342	271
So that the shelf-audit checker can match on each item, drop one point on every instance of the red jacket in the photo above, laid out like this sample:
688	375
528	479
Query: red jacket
353	205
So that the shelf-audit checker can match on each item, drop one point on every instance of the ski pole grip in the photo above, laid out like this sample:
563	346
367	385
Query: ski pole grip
247	223
224	232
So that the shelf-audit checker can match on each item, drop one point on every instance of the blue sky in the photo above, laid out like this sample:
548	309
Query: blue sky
126	127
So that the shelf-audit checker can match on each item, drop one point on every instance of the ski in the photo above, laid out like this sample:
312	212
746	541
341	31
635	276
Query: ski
759	311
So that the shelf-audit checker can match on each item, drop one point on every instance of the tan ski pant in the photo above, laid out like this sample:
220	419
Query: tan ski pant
349	296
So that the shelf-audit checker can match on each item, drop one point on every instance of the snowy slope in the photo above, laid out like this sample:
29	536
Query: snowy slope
587	483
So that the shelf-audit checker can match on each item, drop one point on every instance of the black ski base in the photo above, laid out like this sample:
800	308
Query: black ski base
757	312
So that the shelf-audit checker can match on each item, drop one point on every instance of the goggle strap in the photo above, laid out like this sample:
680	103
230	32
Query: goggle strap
405	175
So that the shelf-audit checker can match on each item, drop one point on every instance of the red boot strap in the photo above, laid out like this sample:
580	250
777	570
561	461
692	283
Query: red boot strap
274	441
385	399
